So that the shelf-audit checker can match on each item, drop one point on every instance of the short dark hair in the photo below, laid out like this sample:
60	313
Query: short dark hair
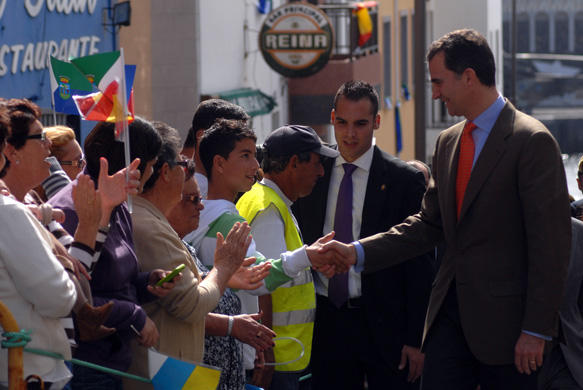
277	164
463	49
208	111
22	113
145	143
168	151
221	139
190	141
4	126
355	90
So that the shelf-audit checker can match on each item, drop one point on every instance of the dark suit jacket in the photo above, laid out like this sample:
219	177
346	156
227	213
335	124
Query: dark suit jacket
572	308
395	301
509	249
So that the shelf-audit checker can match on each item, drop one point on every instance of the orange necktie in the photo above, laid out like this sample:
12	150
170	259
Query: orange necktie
464	165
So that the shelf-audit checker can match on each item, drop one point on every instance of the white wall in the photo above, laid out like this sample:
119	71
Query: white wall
444	16
482	15
494	28
229	57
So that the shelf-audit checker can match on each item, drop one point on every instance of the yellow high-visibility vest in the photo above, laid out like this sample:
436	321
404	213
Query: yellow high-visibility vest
294	303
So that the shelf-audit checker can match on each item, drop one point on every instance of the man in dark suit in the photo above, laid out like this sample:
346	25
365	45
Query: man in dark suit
499	199
374	332
563	368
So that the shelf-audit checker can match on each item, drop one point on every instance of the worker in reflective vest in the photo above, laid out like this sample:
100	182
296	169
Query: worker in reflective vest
292	164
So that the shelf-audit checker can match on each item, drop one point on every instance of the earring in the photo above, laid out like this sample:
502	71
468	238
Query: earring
17	162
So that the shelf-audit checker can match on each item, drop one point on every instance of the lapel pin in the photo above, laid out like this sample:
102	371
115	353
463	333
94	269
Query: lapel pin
383	187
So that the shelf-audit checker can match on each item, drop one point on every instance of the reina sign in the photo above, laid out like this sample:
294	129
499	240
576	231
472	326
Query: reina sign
296	39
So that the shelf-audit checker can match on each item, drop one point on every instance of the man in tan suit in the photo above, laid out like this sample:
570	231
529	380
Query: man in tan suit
497	294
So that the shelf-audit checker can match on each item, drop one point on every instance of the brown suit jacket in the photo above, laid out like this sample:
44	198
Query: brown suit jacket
509	250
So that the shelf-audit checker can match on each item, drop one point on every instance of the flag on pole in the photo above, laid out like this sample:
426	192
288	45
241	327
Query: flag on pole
130	76
406	94
66	81
398	132
101	69
264	6
105	71
85	80
168	373
107	105
364	21
100	106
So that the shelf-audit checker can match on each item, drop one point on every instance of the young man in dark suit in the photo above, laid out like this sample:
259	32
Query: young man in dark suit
371	330
499	200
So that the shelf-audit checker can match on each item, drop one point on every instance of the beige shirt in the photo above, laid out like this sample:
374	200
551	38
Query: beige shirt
180	316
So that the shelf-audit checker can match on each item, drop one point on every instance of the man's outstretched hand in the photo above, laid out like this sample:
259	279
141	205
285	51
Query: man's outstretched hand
331	257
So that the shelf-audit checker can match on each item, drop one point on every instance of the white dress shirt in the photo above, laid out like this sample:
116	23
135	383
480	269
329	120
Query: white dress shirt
359	182
268	228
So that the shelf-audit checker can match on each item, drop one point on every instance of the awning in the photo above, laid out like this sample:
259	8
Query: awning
253	101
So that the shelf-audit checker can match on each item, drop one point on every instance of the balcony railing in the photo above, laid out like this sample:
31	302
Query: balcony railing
345	25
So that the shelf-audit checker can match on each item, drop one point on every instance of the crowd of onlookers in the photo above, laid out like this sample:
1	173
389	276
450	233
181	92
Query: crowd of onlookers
71	274
479	263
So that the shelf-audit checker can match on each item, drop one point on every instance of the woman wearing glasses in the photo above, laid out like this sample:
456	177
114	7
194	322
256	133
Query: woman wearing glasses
33	285
66	149
66	160
26	151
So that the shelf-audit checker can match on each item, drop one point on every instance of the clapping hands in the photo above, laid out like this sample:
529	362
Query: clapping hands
230	252
115	189
249	276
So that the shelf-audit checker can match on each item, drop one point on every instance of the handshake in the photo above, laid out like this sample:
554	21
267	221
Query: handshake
331	257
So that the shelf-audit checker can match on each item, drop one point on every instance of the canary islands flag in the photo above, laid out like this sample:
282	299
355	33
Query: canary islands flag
91	86
171	374
67	81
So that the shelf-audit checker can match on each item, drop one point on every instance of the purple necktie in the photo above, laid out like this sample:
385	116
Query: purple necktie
338	284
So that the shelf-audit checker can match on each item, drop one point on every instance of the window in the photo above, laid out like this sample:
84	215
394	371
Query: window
541	33
579	33
522	33
387	57
506	36
404	50
561	32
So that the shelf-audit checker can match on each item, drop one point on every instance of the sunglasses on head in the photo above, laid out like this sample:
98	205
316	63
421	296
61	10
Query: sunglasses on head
41	136
188	166
80	163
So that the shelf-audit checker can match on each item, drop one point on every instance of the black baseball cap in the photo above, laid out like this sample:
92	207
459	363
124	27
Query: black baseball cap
293	139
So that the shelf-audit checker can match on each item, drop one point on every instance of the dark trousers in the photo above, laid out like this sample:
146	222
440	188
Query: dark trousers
555	374
344	353
450	365
85	378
